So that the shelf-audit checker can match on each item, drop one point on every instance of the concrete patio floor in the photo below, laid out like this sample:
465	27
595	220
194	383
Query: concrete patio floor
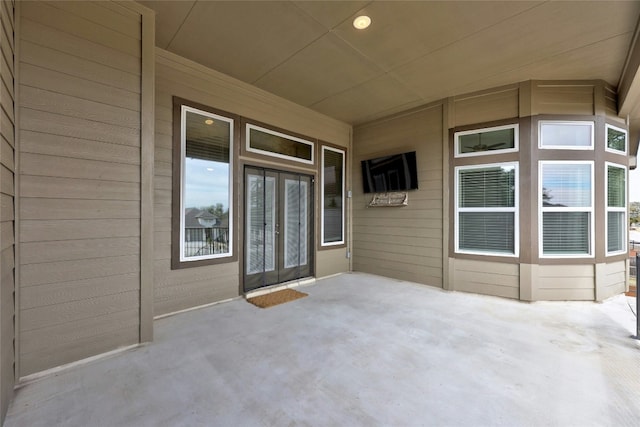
360	350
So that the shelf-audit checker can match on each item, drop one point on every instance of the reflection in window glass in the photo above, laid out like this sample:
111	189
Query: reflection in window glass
566	201
487	209
332	196
276	144
616	139
489	140
206	195
567	135
616	208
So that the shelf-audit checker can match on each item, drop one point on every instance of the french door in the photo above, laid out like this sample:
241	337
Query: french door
278	239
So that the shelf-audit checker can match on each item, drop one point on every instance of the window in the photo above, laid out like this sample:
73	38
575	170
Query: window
616	140
494	140
566	206
566	135
486	209
276	144
205	185
332	196
616	192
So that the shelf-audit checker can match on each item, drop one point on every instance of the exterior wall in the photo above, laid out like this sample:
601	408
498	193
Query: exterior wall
175	76
611	279
565	282
7	194
489	278
405	243
80	181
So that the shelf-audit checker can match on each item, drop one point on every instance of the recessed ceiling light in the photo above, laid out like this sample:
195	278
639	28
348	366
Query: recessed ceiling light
362	22
209	121
210	169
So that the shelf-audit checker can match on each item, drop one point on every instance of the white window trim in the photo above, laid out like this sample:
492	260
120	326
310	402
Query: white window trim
515	148
565	147
183	151
515	210
342	240
608	209
626	139
542	209
283	135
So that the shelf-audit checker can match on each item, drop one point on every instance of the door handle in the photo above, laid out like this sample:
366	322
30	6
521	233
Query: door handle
277	228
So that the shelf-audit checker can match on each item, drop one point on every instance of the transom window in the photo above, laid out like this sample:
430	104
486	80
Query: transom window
494	140
566	135
276	144
486	209
566	208
616	139
616	194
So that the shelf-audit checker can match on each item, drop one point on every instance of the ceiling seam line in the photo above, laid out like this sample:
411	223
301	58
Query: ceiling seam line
467	36
329	31
181	25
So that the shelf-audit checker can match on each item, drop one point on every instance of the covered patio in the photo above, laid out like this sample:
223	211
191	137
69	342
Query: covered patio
360	350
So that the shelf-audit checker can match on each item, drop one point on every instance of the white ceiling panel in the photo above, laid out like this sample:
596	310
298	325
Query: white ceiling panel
359	103
414	52
400	34
169	18
331	14
325	67
543	32
244	39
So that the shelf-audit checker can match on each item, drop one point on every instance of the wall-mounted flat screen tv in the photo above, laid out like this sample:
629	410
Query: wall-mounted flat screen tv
390	173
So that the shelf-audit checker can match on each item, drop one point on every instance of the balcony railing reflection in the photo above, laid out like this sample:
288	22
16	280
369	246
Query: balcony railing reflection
206	241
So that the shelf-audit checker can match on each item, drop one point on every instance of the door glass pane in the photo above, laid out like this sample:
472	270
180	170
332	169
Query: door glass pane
295	223
261	222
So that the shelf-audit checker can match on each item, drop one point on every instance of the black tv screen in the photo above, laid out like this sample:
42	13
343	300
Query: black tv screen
390	173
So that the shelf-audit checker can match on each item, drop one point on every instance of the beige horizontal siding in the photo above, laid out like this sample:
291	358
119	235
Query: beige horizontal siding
331	261
611	279
78	347
189	287
566	282
78	148
489	278
562	98
80	181
495	104
87	23
7	192
401	242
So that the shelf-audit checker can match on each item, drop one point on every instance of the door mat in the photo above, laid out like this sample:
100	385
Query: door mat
275	298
